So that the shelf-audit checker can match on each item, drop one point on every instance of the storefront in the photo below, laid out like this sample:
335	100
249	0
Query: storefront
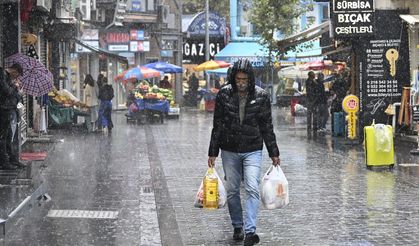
413	30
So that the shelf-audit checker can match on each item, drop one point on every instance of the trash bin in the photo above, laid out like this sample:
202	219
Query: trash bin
379	145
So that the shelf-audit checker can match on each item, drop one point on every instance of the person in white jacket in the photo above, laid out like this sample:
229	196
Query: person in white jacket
91	99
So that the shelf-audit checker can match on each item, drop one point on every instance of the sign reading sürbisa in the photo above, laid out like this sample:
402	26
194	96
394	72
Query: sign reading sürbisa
353	18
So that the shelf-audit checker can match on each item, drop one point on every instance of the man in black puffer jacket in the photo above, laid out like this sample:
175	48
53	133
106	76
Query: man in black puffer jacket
242	122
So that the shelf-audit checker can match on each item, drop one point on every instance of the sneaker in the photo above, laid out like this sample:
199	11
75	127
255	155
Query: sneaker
238	234
251	239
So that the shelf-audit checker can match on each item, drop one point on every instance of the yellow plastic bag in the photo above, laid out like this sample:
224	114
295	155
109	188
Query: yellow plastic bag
222	193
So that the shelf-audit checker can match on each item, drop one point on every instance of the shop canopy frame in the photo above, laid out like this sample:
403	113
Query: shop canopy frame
412	20
117	57
304	36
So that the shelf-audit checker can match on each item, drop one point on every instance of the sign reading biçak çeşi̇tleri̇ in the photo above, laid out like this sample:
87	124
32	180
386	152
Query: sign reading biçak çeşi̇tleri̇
353	18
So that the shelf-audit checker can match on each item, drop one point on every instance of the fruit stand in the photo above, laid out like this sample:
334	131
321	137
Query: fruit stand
63	108
146	104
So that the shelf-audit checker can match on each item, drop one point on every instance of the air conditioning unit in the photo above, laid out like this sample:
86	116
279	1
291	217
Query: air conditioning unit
44	4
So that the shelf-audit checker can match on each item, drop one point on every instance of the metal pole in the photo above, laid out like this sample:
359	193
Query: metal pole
207	56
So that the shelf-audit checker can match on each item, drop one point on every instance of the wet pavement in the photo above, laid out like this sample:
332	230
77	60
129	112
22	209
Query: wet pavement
136	187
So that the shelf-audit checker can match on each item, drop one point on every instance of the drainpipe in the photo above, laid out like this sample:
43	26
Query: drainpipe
234	27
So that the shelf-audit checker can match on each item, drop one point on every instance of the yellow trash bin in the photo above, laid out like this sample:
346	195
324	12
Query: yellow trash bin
379	145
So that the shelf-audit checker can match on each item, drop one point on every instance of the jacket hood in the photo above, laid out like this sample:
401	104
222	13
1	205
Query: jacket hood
244	66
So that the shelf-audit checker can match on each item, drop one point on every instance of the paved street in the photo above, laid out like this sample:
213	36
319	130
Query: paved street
145	178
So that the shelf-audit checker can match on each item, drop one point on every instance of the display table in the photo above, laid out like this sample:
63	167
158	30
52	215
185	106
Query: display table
59	115
148	109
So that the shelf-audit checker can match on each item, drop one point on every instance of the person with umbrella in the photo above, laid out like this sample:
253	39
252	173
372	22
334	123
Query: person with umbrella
9	98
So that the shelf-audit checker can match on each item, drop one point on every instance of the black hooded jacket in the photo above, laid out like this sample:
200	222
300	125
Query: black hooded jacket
9	94
228	134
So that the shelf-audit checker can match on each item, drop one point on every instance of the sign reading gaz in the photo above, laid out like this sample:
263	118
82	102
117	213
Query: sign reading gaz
353	18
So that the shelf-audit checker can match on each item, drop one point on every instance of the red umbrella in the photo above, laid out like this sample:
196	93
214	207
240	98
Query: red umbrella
318	65
36	79
138	73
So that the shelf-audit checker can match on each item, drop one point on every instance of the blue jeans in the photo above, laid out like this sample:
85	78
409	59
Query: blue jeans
105	111
248	166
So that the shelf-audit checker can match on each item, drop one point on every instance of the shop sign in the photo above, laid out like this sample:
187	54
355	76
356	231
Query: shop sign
353	18
415	113
117	37
118	47
146	46
166	53
90	34
136	34
257	61
136	6
383	66
217	25
82	49
350	105
194	49
136	46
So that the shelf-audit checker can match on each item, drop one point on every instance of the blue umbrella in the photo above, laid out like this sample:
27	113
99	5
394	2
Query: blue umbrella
164	67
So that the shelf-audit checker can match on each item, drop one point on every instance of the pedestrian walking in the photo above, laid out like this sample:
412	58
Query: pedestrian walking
312	101
193	89
322	105
242	122
9	98
106	94
91	99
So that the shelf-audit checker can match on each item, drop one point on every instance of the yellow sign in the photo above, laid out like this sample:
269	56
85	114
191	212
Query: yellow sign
350	104
351	119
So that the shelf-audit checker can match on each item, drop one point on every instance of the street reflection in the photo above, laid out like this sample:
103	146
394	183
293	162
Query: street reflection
381	202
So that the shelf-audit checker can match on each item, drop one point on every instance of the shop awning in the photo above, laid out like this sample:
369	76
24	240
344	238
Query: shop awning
117	57
338	50
411	19
242	49
252	51
304	36
313	51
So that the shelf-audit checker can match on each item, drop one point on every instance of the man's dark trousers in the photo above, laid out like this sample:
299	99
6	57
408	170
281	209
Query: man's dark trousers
5	136
312	117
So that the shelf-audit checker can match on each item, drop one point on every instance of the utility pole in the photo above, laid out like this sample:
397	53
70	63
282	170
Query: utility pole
207	39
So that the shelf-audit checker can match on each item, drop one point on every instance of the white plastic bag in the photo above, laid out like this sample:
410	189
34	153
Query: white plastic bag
383	137
222	193
275	188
